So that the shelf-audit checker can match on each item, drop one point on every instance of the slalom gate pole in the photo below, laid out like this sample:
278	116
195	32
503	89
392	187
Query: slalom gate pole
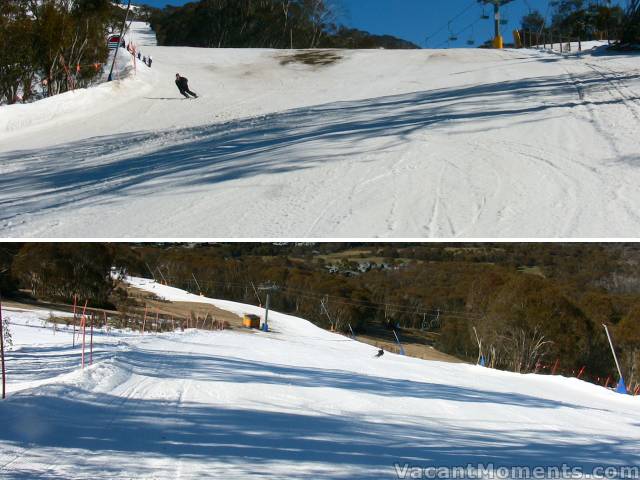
106	323
581	371
157	319
122	30
91	343
75	298
555	367
83	313
4	373
84	333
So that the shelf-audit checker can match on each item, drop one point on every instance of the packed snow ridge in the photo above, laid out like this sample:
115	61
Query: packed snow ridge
428	143
296	402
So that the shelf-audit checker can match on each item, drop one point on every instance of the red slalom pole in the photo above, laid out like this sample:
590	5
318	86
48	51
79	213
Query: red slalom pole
555	367
84	333
581	371
83	313
91	343
4	374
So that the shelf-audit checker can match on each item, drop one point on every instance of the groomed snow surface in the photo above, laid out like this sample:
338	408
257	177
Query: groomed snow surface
431	143
297	402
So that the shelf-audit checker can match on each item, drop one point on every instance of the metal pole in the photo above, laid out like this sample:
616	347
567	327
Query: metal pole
197	284
162	276
150	271
613	350
122	30
256	292
4	375
399	344
266	314
479	344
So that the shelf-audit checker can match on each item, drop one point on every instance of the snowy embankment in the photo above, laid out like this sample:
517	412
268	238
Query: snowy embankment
297	402
429	143
131	78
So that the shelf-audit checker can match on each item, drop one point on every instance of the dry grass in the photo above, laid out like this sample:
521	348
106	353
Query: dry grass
417	350
316	58
184	309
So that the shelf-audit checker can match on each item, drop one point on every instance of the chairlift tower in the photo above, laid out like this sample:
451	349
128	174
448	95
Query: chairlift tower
268	287
498	41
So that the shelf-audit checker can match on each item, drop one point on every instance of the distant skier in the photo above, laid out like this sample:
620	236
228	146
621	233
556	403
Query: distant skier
380	353
183	85
150	60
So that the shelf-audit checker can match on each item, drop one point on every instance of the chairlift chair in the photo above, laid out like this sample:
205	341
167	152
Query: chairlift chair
452	36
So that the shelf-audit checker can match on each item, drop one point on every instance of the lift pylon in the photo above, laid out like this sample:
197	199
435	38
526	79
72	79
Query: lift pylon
498	41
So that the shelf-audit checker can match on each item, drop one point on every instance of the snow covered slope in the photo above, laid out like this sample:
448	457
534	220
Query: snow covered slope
297	402
431	143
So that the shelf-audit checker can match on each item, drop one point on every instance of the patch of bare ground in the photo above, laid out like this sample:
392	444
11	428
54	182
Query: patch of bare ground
316	58
190	310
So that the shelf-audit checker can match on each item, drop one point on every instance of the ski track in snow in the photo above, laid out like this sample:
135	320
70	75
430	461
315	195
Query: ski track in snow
297	402
452	143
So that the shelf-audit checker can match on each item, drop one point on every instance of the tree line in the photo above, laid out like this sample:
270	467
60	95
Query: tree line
52	46
260	24
524	307
585	20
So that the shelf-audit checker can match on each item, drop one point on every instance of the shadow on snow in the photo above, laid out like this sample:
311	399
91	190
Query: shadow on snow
103	168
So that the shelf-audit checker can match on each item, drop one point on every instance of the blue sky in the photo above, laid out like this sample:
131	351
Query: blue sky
415	20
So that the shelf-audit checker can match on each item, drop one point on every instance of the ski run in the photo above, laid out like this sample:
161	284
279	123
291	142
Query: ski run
427	143
295	402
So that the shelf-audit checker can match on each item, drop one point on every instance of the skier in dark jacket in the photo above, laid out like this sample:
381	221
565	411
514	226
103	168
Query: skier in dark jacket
380	353
183	85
